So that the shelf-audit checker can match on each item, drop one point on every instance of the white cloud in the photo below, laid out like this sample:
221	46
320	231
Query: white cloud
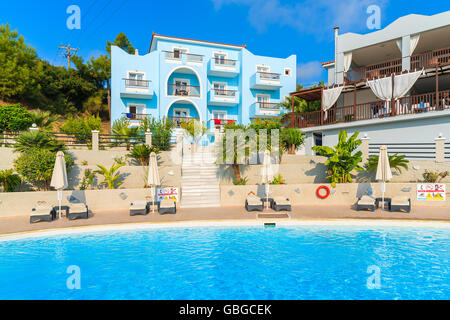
309	71
310	16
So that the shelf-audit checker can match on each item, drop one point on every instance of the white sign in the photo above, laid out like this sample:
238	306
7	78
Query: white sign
167	194
431	192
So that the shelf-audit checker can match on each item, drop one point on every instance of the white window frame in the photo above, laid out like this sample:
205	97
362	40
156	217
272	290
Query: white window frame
225	85
188	113
140	107
136	72
263	95
222	112
289	70
225	54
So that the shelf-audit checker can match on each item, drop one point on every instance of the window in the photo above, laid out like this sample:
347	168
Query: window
220	88
135	111
135	79
181	87
287	72
220	58
262	68
263	100
177	52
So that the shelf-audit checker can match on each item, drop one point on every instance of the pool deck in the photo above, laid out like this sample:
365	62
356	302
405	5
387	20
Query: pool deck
9	225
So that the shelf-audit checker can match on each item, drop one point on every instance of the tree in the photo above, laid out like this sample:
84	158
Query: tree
292	139
15	118
32	140
396	162
122	42
43	119
141	152
36	166
341	159
17	64
121	127
9	180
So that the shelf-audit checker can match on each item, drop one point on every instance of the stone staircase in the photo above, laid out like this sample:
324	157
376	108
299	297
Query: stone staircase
199	182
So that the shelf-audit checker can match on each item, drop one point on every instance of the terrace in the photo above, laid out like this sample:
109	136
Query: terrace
134	88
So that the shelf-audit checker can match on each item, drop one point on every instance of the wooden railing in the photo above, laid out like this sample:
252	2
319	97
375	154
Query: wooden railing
373	110
386	68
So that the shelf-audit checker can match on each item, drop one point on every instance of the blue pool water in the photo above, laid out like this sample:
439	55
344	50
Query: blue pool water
322	262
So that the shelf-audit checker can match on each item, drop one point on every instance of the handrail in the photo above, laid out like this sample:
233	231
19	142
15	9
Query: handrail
269	75
223	92
225	62
137	83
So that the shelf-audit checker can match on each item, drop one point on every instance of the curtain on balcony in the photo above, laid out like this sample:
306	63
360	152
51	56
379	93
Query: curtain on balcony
413	42
329	98
347	61
382	87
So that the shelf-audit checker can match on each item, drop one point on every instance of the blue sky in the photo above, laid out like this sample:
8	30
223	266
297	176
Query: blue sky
272	27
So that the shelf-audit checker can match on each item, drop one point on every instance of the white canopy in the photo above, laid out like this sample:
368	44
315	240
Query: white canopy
384	172
382	87
153	174
330	97
347	60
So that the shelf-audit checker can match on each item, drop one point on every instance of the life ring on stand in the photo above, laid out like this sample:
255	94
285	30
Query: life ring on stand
251	193
327	194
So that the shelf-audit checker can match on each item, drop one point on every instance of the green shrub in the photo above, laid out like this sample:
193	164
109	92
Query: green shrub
43	119
161	130
82	127
14	118
88	179
342	159
278	180
121	127
242	182
141	152
434	176
35	139
36	166
111	176
396	162
9	180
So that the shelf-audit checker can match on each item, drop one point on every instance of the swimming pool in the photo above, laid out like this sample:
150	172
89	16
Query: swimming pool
244	262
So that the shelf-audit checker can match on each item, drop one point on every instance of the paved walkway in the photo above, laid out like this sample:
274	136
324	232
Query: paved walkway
22	223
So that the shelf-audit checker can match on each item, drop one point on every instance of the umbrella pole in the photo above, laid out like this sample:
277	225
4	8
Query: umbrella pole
153	200
59	202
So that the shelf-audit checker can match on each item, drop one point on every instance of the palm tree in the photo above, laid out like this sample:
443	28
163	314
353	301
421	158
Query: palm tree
292	139
396	162
111	176
43	119
121	127
37	140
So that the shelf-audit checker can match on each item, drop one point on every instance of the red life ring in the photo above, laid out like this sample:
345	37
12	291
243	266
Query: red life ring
323	196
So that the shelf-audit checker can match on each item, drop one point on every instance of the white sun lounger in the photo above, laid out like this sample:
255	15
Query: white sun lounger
400	203
366	202
167	206
253	203
77	210
42	212
139	207
281	203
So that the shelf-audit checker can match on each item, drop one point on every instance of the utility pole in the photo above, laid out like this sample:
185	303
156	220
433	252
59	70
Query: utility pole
68	52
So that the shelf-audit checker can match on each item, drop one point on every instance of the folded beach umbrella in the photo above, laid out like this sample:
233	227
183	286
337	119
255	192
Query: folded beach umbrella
59	177
267	173
153	175
383	171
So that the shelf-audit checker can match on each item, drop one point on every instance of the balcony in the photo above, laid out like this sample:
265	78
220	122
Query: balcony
265	81
183	90
223	68
266	110
183	58
135	116
425	60
415	104
132	88
220	97
219	124
179	120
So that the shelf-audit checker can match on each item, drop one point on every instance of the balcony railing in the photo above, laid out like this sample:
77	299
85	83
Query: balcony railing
414	104
179	120
134	83
177	55
269	76
386	68
269	105
224	93
225	62
135	116
183	90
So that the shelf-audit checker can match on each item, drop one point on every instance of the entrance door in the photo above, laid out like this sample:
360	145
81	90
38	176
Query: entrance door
179	114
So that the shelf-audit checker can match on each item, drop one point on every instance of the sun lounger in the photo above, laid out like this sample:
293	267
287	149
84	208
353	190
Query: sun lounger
400	203
281	204
167	206
77	210
139	207
367	202
253	203
42	212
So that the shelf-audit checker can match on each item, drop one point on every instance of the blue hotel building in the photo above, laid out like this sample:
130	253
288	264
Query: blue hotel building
212	82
